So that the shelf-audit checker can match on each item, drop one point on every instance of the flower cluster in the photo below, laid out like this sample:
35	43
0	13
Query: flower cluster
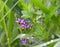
25	41
23	23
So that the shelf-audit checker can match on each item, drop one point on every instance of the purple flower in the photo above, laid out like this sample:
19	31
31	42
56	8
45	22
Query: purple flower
28	26
18	21
24	26
23	23
25	41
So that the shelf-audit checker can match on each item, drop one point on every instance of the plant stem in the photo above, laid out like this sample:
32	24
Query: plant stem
18	25
20	30
5	28
3	23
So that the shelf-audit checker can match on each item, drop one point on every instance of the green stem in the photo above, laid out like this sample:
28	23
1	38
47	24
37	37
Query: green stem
3	23
5	28
20	29
18	25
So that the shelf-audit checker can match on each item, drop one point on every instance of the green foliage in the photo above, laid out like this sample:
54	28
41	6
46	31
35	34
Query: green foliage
43	15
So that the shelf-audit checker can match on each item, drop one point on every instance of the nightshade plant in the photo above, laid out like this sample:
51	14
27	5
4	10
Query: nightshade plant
29	23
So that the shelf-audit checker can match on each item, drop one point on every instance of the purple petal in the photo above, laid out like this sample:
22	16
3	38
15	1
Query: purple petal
24	26
22	21
25	41
28	26
18	21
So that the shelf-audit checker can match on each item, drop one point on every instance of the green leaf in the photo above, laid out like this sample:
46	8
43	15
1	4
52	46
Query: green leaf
52	12
41	6
57	44
11	21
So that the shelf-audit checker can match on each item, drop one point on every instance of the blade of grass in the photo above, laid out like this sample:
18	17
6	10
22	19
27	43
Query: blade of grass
9	10
47	43
52	12
4	5
10	21
2	38
41	6
5	28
